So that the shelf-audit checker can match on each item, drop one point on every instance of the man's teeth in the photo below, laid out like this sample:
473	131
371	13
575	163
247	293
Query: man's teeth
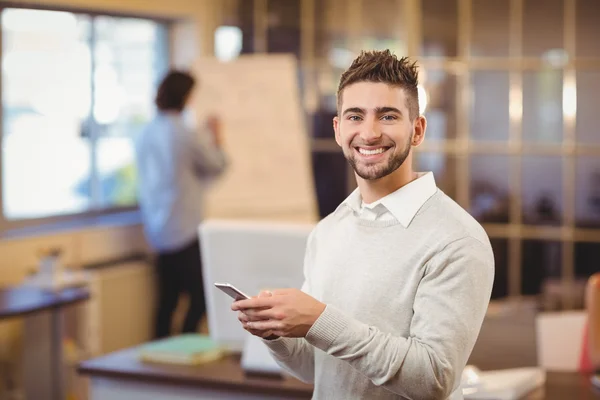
371	152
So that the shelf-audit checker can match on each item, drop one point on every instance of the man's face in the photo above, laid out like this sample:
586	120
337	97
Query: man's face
374	128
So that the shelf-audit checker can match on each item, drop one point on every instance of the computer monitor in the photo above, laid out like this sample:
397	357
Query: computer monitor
252	256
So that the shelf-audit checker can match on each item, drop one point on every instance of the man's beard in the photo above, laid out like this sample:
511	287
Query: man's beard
377	171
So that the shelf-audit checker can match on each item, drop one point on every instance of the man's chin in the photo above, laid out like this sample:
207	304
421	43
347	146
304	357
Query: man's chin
375	170
370	174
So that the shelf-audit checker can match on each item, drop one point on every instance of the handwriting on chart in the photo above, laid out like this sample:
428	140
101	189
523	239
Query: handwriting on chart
270	171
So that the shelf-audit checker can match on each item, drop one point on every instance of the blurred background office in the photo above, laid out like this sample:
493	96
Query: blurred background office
509	88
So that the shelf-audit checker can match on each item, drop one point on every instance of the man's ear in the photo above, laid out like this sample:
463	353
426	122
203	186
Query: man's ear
336	129
419	128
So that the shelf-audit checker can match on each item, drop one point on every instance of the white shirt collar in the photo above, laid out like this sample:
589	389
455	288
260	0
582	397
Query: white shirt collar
404	203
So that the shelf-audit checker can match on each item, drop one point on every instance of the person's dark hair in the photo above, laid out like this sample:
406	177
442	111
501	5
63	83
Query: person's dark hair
174	90
383	66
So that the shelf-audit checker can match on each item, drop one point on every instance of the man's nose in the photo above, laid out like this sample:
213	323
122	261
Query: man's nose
370	131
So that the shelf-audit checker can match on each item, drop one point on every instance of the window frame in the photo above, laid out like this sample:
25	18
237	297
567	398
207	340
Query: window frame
130	214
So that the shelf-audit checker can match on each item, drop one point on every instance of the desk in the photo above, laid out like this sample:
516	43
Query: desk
120	376
43	335
565	386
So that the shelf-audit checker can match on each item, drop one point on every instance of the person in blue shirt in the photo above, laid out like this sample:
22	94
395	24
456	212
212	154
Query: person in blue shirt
175	165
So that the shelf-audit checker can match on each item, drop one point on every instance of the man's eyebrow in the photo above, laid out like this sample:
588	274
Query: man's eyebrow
356	110
378	110
383	110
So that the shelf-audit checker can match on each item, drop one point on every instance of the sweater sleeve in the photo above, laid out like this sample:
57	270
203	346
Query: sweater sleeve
296	355
449	308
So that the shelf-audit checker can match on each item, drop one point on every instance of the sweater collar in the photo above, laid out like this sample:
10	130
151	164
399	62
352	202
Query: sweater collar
403	204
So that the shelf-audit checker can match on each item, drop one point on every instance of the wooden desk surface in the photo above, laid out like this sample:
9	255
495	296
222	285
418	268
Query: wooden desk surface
21	301
219	375
565	386
227	374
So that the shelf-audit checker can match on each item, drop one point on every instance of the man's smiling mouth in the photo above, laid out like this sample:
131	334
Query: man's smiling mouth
371	150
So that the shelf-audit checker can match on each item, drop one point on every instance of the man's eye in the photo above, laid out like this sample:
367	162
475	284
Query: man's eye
389	117
354	118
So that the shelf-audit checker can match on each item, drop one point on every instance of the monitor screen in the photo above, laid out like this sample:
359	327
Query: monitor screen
252	256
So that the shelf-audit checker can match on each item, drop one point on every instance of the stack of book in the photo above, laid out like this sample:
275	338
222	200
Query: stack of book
186	349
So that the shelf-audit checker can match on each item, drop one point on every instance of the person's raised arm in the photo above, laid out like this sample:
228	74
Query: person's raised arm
207	153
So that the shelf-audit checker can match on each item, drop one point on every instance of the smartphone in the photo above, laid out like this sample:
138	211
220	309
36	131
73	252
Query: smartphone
232	291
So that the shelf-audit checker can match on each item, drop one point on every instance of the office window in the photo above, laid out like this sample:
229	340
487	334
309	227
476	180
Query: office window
75	89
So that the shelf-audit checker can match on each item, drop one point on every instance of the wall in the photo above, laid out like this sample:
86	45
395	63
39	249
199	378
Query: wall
80	247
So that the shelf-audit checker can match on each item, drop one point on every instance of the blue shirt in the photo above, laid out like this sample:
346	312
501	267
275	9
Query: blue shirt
175	164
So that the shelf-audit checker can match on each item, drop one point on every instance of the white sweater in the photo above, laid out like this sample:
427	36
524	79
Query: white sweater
404	304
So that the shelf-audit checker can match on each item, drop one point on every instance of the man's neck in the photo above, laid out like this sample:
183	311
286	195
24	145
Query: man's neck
373	190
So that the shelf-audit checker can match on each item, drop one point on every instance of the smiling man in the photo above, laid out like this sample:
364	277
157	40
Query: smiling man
398	278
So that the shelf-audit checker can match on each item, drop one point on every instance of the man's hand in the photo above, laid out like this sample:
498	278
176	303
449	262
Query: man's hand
286	313
214	126
244	319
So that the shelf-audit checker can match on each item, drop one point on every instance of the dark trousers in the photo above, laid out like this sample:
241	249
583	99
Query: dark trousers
179	272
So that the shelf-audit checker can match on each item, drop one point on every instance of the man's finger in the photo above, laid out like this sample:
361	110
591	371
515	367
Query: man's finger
243	317
256	332
258	302
247	315
269	325
262	334
252	331
260	314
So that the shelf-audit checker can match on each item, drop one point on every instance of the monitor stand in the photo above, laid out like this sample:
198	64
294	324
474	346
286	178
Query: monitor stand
256	358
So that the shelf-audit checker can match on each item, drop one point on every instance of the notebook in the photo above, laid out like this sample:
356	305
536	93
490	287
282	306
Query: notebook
505	384
186	349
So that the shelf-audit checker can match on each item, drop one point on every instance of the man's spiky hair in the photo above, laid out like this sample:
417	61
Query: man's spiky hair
383	66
